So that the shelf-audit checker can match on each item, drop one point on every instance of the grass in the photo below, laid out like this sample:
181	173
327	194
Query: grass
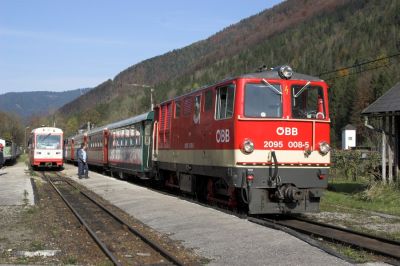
376	197
70	260
36	245
23	158
25	199
358	256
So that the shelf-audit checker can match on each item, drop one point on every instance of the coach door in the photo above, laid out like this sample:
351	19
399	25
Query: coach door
164	126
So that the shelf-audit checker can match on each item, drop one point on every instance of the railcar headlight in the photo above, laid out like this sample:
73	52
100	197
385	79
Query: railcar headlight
247	146
324	148
285	72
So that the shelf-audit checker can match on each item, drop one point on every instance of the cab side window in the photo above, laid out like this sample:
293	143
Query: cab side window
225	102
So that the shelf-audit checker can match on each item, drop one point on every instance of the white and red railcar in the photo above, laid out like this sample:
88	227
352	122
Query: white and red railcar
259	139
46	147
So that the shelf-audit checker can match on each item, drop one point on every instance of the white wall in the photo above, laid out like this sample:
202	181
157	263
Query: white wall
348	139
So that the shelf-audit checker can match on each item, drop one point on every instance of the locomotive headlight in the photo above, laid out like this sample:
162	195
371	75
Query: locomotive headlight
247	146
285	72
324	148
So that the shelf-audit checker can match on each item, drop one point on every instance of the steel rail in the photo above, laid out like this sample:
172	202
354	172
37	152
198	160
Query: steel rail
375	244
82	221
145	239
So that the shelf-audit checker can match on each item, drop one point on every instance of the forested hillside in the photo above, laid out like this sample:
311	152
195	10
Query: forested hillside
11	128
37	103
313	36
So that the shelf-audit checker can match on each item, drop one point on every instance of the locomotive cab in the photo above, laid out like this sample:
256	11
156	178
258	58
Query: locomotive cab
282	142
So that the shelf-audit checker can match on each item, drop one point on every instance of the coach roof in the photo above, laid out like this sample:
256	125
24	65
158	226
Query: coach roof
132	120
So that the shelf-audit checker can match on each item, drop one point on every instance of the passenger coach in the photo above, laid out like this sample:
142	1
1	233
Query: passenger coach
129	146
46	147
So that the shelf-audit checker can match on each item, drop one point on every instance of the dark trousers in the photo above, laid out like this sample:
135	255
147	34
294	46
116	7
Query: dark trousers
1	159
83	169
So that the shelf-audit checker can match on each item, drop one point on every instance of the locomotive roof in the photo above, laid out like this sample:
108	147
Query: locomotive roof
269	74
47	130
132	120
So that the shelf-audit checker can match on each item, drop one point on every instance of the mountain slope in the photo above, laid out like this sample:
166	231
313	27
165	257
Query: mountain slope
313	36
26	104
184	61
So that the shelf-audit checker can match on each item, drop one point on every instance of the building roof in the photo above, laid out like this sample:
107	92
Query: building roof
388	102
349	127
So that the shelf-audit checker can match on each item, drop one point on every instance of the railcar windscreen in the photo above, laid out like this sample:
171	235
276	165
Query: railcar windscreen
308	102
48	141
263	100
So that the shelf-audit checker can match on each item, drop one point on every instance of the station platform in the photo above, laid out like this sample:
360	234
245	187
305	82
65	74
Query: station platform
222	238
16	186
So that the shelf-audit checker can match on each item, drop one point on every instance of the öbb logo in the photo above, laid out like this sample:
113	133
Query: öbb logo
222	135
287	131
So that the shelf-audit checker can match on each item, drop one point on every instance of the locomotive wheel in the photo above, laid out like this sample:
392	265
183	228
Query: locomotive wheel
201	188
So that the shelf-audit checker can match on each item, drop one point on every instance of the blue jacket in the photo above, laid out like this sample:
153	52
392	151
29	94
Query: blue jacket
81	155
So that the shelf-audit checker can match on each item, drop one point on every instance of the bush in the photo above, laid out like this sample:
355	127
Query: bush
355	164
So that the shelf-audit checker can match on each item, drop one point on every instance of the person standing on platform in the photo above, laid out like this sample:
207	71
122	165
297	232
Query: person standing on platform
83	169
85	164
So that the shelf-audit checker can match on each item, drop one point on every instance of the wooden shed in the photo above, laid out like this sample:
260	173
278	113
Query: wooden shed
387	110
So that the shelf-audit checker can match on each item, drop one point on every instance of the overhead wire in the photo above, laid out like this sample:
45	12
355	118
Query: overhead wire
347	71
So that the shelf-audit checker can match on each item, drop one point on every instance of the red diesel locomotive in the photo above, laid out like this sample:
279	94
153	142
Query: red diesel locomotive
259	139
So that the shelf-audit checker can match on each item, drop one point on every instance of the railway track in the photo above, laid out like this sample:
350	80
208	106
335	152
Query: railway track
108	230
377	245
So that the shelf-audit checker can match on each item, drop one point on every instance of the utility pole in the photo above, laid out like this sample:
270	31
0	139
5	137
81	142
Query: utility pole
25	144
145	86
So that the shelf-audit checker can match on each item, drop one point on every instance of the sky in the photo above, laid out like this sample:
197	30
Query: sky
60	45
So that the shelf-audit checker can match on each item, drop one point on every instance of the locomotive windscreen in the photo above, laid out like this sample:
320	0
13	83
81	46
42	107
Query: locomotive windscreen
307	102
263	100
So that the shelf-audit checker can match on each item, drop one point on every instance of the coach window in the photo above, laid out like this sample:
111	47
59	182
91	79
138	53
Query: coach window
263	100
131	136
177	109
119	138
225	100
126	136
308	102
138	142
